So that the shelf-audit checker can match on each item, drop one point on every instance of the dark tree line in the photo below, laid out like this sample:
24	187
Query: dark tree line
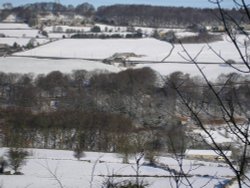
159	16
121	112
136	93
64	129
29	12
128	15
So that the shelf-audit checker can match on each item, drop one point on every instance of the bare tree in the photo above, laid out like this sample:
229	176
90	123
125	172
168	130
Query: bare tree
230	106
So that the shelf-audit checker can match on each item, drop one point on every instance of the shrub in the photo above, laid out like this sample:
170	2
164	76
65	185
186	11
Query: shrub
96	29
16	158
3	164
78	152
110	183
45	33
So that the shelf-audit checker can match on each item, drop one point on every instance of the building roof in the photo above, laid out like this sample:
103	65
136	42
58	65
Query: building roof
207	152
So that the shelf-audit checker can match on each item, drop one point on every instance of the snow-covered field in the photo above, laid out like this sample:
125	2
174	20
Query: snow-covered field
212	71
149	49
21	41
13	26
144	30
21	33
59	35
44	66
64	28
93	169
20	30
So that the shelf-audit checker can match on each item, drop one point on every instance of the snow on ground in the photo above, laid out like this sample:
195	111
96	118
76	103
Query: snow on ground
145	30
223	134
20	41
150	30
230	133
24	31
224	48
218	137
59	35
44	66
246	181
13	26
195	167
64	28
212	71
149	49
101	49
20	33
73	174
60	31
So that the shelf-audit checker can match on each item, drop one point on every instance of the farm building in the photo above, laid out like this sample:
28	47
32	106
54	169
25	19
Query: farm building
211	155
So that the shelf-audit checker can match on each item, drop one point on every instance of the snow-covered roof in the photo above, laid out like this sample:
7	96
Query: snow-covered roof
12	18
207	152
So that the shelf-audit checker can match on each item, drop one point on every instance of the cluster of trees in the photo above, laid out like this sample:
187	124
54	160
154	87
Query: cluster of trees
124	92
121	112
87	131
29	12
159	16
136	93
201	37
107	36
127	15
84	111
84	9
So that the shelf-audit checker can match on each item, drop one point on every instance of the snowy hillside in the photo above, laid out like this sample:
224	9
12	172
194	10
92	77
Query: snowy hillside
21	41
101	49
212	71
64	28
145	50
148	49
14	26
20	33
44	66
72	173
